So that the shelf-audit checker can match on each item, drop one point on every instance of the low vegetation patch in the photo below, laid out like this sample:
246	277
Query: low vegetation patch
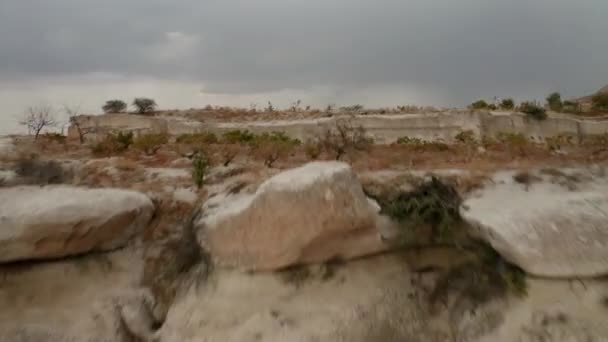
433	207
113	143
533	110
42	172
423	145
478	281
432	204
150	143
198	138
466	137
600	102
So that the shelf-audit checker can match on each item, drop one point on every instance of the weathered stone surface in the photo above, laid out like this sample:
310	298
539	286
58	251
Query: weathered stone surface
52	222
548	228
310	214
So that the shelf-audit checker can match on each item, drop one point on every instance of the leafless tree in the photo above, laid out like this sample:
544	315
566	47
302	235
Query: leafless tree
37	118
73	112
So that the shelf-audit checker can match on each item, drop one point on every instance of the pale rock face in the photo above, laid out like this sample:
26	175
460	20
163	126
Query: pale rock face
547	229
58	221
310	214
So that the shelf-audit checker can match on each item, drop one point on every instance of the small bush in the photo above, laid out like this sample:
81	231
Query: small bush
507	104
113	143
144	105
533	110
600	102
554	101
42	172
272	146
466	137
150	143
238	137
200	165
344	138
198	138
481	104
433	203
114	106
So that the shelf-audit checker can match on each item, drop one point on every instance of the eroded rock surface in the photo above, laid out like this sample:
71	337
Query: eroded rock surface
547	227
310	214
58	221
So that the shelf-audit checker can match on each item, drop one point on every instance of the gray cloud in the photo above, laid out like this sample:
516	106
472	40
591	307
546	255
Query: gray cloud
455	50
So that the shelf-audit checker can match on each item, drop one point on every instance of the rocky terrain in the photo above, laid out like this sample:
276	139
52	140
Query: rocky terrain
247	237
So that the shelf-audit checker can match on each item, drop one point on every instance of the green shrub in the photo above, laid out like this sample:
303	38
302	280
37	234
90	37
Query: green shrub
198	138
533	110
507	104
480	104
238	137
600	102
200	165
150	143
554	101
432	203
466	137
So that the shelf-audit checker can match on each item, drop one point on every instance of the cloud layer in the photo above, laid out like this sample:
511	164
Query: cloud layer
440	52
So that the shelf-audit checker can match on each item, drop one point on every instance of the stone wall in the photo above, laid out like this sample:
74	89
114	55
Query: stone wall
383	128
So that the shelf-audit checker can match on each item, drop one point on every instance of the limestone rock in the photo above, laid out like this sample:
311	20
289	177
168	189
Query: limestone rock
548	228
310	214
53	222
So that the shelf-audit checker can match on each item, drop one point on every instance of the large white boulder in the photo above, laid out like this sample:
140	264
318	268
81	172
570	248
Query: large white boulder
310	214
547	227
52	222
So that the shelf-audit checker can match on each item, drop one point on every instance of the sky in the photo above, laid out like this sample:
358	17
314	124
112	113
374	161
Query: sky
190	53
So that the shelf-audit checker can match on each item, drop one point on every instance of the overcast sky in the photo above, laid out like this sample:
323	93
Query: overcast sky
189	53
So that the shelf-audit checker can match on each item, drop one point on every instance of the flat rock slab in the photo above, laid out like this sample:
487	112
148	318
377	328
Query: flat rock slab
58	221
545	228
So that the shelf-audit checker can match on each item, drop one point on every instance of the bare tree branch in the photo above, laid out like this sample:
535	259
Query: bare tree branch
38	117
